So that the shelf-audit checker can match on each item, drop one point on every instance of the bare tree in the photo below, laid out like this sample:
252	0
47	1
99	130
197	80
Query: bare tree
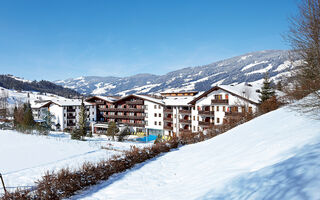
304	37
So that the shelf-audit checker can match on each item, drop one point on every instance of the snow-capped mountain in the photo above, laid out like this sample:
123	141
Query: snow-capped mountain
249	68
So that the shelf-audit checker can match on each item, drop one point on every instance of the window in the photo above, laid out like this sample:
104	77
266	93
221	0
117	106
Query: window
194	118
146	107
155	106
155	123
159	114
250	110
198	118
194	128
159	107
227	96
223	108
218	120
159	123
146	123
155	114
217	108
146	115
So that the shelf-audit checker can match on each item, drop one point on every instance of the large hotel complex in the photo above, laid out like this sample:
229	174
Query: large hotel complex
168	113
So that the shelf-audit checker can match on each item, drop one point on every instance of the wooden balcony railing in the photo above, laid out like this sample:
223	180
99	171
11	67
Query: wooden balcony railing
123	117
185	121
134	124
167	110
204	112
220	101
202	123
185	111
168	128
167	119
234	114
122	109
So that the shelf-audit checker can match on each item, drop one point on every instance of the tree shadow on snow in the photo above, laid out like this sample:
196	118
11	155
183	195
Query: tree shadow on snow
295	178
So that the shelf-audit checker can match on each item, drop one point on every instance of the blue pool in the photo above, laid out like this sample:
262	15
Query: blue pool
147	138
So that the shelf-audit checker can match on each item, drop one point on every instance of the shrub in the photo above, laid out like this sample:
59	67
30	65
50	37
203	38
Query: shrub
269	105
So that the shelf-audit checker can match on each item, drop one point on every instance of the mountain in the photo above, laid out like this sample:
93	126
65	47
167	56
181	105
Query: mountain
250	67
15	83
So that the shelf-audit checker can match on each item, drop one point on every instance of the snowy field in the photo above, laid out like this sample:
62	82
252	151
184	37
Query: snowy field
275	156
25	158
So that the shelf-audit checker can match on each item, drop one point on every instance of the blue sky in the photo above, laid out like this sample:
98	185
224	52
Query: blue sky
61	39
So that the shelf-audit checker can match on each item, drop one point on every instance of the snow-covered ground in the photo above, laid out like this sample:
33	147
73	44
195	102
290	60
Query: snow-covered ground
275	156
25	158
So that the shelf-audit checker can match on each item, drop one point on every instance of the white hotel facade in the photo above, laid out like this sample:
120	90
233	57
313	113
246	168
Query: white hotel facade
167	114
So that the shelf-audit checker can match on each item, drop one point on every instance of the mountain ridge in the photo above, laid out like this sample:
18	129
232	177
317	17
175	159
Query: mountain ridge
249	67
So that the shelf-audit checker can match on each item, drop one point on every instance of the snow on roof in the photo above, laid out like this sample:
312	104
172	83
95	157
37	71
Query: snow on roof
243	90
35	104
70	102
148	98
106	98
178	100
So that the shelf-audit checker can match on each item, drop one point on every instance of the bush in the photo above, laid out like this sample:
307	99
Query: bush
269	105
66	182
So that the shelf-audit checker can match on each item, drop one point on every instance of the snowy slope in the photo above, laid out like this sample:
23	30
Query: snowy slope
25	158
20	97
275	156
245	68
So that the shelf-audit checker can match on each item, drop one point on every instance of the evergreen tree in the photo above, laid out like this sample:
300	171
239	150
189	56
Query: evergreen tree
82	120
28	120
15	116
112	129
266	90
76	135
47	117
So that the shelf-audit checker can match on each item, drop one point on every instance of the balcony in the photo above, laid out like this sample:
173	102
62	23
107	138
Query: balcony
185	111
71	116
234	114
167	110
135	102
167	119
168	128
186	121
123	117
220	101
205	112
202	123
134	124
122	109
71	110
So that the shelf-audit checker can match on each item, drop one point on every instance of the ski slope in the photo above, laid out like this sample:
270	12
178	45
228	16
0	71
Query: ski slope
275	156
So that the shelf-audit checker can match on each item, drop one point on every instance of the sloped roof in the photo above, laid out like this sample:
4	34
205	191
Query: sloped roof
244	92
